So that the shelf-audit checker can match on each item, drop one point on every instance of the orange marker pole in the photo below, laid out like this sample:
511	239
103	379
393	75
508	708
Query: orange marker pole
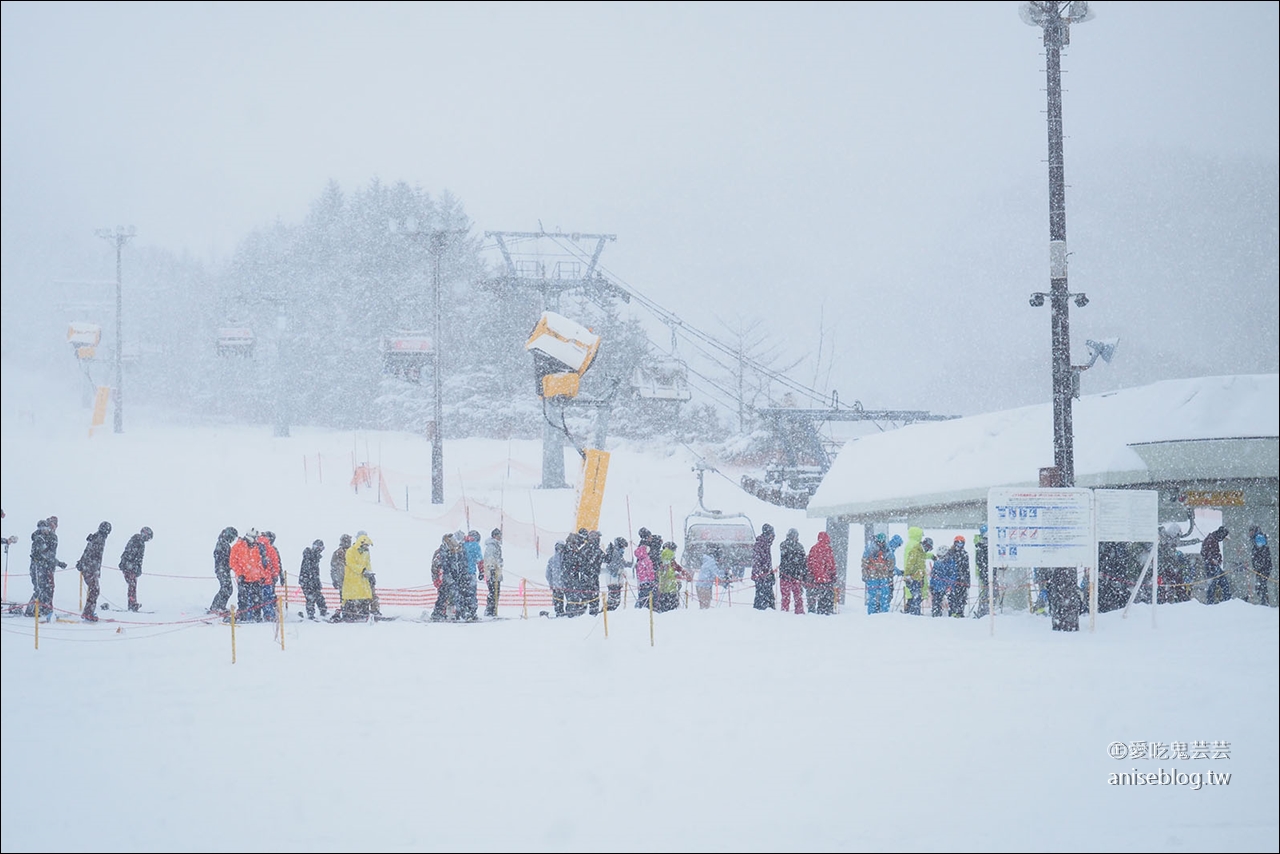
233	634
280	615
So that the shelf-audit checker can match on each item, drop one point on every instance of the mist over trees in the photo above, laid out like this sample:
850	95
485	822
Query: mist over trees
319	297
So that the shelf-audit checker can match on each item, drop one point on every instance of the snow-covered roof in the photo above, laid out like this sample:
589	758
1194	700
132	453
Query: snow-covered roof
1224	426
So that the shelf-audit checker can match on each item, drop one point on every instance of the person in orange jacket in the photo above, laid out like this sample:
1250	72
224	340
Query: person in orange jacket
247	562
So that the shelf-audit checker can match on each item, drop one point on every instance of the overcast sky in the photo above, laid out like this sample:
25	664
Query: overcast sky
883	164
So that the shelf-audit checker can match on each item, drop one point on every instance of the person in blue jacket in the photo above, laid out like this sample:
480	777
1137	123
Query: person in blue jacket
467	604
941	579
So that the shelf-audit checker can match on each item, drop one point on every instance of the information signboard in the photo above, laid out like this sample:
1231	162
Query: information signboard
1033	528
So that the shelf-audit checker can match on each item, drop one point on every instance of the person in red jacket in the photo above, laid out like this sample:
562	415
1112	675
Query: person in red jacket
822	572
247	564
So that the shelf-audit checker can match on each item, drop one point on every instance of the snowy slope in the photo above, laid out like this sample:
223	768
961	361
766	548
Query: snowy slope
726	729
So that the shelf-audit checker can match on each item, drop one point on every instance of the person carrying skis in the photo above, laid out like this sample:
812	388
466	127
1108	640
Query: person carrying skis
90	566
309	580
131	563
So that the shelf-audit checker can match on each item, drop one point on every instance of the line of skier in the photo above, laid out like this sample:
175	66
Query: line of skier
45	563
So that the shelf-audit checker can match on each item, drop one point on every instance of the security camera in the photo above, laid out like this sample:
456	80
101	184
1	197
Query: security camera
1037	300
1081	300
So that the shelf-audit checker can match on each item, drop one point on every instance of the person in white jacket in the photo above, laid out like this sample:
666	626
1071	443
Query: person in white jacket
705	580
493	571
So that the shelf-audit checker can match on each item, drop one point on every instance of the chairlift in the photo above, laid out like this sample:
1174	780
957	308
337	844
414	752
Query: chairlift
663	379
405	353
235	339
732	534
84	339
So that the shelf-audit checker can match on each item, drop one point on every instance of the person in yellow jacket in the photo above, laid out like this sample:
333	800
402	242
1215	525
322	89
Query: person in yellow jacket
357	592
915	572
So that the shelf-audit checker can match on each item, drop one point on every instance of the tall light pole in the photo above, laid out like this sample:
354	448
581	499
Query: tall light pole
120	236
438	241
1056	18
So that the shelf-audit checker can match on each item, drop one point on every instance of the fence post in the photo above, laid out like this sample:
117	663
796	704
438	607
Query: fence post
280	600
37	622
233	634
524	600
650	618
605	600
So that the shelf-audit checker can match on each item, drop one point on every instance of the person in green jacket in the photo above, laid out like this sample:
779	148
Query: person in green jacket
915	571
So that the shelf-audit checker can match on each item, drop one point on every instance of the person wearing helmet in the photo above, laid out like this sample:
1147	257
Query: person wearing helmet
131	563
309	580
493	570
90	566
247	565
272	573
357	593
222	570
762	568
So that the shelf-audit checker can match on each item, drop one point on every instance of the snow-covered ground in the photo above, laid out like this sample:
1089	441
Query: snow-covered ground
725	729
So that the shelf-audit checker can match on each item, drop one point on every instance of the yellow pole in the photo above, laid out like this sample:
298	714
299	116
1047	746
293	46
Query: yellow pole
37	623
280	615
626	586
650	618
233	634
524	599
605	600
